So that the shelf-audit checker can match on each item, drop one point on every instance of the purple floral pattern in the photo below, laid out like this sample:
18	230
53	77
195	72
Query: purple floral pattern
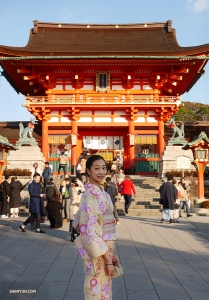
95	205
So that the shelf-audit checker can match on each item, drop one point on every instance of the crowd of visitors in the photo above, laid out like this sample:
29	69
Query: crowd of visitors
88	203
173	196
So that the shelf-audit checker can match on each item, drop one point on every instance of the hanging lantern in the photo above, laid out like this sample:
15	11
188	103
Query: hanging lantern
132	139
73	139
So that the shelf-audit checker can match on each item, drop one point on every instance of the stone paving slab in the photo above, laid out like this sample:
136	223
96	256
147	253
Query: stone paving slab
160	261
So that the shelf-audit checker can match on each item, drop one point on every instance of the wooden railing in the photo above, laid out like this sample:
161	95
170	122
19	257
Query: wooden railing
100	99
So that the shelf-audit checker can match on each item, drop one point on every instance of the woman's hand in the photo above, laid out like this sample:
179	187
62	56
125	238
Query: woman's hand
110	269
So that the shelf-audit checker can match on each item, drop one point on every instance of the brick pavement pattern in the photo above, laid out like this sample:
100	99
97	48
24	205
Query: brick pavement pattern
160	261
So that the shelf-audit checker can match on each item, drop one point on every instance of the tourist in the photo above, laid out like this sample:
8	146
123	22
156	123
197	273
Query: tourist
111	189
97	233
120	178
74	205
62	163
46	173
54	207
114	178
15	198
126	189
121	175
168	195
43	200
185	199
35	170
51	189
177	203
5	188
83	168
79	181
66	199
119	159
34	189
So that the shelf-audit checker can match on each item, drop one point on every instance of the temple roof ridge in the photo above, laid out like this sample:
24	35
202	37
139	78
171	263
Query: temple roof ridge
82	40
143	24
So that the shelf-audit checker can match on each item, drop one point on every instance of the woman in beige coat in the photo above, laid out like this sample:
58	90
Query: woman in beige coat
77	190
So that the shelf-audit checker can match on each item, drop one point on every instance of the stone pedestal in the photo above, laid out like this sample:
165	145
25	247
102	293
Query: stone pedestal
170	157
25	157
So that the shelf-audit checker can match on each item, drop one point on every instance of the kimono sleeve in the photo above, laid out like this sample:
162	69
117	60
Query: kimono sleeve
91	226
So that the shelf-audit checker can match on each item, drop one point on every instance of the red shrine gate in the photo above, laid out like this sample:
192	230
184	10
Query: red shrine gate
110	87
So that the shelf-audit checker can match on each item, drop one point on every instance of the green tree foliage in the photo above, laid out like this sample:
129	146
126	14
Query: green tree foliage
193	112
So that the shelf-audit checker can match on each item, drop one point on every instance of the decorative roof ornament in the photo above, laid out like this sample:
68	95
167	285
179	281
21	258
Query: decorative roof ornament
201	138
5	143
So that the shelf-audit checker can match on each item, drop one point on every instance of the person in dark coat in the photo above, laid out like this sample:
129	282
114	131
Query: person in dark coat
46	173
5	187
34	189
51	189
15	198
53	207
168	195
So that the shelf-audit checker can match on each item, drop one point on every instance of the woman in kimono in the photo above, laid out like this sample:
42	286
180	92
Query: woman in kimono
97	234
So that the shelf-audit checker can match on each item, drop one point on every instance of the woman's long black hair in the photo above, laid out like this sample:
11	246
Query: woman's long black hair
91	159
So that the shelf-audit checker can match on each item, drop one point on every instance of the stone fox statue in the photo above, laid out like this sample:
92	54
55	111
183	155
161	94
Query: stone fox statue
179	131
24	132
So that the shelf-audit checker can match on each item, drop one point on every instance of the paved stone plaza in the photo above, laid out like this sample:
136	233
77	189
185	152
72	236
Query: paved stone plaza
160	261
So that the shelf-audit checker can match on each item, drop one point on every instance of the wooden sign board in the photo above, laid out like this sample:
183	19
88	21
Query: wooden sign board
183	162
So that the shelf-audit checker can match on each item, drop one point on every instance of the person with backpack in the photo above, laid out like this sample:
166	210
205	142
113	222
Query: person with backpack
5	190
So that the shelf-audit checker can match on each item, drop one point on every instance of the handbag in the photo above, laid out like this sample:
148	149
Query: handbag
176	206
119	270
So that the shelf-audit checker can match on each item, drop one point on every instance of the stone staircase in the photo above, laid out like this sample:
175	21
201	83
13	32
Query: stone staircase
146	202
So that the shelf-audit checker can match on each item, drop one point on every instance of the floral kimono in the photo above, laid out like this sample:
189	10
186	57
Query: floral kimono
97	236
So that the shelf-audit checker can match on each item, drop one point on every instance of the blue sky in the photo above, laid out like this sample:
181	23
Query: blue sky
190	19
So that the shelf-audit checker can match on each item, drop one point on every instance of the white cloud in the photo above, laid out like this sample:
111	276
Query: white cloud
198	5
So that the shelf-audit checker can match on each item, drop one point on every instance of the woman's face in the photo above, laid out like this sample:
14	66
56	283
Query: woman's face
97	172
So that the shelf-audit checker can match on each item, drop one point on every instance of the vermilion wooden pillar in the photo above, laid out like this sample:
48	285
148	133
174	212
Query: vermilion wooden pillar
131	148
200	173
45	139
74	129
160	137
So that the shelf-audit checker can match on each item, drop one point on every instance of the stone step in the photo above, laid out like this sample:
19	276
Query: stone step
141	212
148	207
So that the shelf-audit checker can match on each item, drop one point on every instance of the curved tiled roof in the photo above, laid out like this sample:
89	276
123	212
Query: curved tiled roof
82	39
